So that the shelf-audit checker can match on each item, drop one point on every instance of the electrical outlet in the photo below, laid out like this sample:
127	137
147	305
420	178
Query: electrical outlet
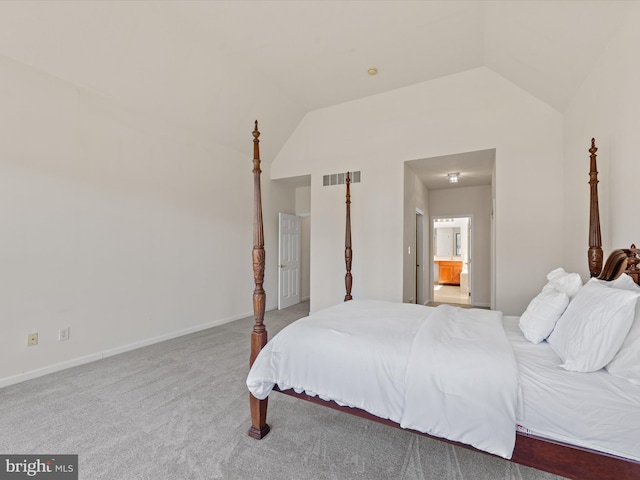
32	339
63	334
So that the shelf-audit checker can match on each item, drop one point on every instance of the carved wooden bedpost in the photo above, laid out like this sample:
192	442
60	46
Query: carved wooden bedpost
632	263
595	239
259	427
348	280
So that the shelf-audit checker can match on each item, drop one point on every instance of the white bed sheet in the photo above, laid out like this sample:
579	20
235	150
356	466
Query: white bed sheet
593	410
376	352
445	371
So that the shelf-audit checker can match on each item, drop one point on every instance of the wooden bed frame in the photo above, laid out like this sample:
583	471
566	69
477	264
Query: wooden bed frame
544	454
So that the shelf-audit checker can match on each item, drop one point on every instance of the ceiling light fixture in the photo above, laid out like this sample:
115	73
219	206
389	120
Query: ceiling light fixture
453	177
372	71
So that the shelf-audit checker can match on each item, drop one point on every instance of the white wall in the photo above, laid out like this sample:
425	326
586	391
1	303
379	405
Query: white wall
305	256
124	227
606	107
303	208
474	110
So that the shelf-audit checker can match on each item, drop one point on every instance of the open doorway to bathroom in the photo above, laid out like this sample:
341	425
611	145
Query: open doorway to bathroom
451	260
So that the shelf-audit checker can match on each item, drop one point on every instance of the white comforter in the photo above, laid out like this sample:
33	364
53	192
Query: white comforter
445	371
462	380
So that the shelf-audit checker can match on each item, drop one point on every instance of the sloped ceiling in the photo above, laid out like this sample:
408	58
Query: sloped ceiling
214	66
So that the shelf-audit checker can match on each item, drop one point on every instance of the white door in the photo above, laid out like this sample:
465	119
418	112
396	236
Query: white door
289	260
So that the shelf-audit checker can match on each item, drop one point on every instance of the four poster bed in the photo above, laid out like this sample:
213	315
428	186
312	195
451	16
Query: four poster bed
505	390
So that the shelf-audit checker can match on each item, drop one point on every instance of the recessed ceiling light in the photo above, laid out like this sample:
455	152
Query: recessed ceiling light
372	71
453	177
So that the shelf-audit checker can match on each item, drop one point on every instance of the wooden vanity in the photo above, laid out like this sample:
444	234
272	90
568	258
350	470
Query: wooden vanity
449	272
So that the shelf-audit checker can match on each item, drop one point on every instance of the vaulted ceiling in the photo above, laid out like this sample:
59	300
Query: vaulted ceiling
319	52
213	66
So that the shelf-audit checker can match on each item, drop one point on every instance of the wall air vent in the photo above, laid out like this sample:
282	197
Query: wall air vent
340	178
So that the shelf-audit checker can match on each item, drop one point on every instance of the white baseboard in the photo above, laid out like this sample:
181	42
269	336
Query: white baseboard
482	304
57	367
39	372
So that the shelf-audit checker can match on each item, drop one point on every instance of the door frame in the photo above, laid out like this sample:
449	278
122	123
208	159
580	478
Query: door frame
419	285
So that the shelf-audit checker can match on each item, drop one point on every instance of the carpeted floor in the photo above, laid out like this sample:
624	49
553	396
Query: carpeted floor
179	410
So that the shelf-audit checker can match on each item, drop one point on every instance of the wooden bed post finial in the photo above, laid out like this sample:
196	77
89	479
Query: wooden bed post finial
632	263
259	427
595	238
348	254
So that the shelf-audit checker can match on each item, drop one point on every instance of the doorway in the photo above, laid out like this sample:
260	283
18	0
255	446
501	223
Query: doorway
451	260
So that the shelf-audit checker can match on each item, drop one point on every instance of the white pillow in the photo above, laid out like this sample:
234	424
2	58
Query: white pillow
625	282
562	281
626	363
593	327
540	317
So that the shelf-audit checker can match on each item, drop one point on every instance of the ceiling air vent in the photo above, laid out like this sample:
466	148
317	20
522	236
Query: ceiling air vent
340	178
